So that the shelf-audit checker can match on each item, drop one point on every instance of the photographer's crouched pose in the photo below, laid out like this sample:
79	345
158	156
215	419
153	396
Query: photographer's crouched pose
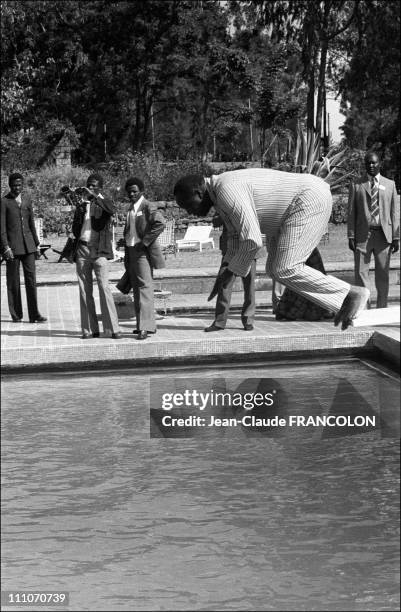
144	223
92	229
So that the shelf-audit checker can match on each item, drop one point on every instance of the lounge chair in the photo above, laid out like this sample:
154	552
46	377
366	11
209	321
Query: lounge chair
42	247
118	243
166	239
196	236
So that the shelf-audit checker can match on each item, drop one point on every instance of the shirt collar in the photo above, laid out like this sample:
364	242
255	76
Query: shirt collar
137	205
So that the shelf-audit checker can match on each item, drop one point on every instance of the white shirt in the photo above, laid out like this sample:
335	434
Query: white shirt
86	230
131	237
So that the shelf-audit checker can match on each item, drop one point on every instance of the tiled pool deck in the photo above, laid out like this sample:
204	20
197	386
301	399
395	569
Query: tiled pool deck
180	336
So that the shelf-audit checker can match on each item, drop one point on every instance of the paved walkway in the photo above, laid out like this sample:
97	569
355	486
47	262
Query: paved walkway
180	336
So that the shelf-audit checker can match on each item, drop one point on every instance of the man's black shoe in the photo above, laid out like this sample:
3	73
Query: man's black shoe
213	328
142	335
138	331
86	336
248	327
116	336
38	319
16	319
95	335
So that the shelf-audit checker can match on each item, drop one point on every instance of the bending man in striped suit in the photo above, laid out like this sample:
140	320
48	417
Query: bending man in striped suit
293	211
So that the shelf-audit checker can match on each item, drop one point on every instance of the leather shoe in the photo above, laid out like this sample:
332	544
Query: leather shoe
85	336
138	331
116	336
95	335
213	328
38	319
16	319
248	327
142	335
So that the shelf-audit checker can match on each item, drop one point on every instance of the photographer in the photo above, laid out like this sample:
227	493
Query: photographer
91	227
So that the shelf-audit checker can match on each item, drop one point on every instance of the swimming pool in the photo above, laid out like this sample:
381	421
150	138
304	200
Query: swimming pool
290	518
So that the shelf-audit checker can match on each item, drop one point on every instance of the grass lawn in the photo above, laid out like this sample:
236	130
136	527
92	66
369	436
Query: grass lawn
334	249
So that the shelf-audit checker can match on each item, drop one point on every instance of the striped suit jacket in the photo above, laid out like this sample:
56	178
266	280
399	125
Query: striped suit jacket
255	201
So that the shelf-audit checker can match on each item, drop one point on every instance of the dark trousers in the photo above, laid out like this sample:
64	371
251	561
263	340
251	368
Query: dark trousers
224	299
141	276
14	286
378	245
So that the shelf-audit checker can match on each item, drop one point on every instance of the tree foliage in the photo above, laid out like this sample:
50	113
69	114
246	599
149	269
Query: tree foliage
370	82
187	78
311	25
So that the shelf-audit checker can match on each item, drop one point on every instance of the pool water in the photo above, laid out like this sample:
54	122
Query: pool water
290	519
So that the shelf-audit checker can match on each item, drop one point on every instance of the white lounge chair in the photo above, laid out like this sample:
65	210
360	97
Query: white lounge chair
196	236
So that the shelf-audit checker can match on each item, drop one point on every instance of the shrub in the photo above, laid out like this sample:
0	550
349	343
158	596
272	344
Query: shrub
334	167
159	176
340	209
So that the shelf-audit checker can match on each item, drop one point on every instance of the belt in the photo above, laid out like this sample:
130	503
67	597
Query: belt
375	227
84	242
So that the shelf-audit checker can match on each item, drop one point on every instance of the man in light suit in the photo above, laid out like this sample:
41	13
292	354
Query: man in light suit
373	226
91	227
143	225
293	211
19	242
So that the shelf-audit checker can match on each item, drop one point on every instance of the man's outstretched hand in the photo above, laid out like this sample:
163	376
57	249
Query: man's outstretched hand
224	277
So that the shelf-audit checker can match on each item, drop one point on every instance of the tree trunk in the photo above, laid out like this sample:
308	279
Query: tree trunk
136	130
262	146
310	100
321	85
147	106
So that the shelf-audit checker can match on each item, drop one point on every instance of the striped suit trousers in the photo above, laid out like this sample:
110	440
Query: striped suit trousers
302	227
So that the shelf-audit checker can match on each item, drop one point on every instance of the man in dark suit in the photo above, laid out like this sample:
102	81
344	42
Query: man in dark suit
373	226
143	225
225	290
19	242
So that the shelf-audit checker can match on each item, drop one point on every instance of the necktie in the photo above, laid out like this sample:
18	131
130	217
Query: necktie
374	203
